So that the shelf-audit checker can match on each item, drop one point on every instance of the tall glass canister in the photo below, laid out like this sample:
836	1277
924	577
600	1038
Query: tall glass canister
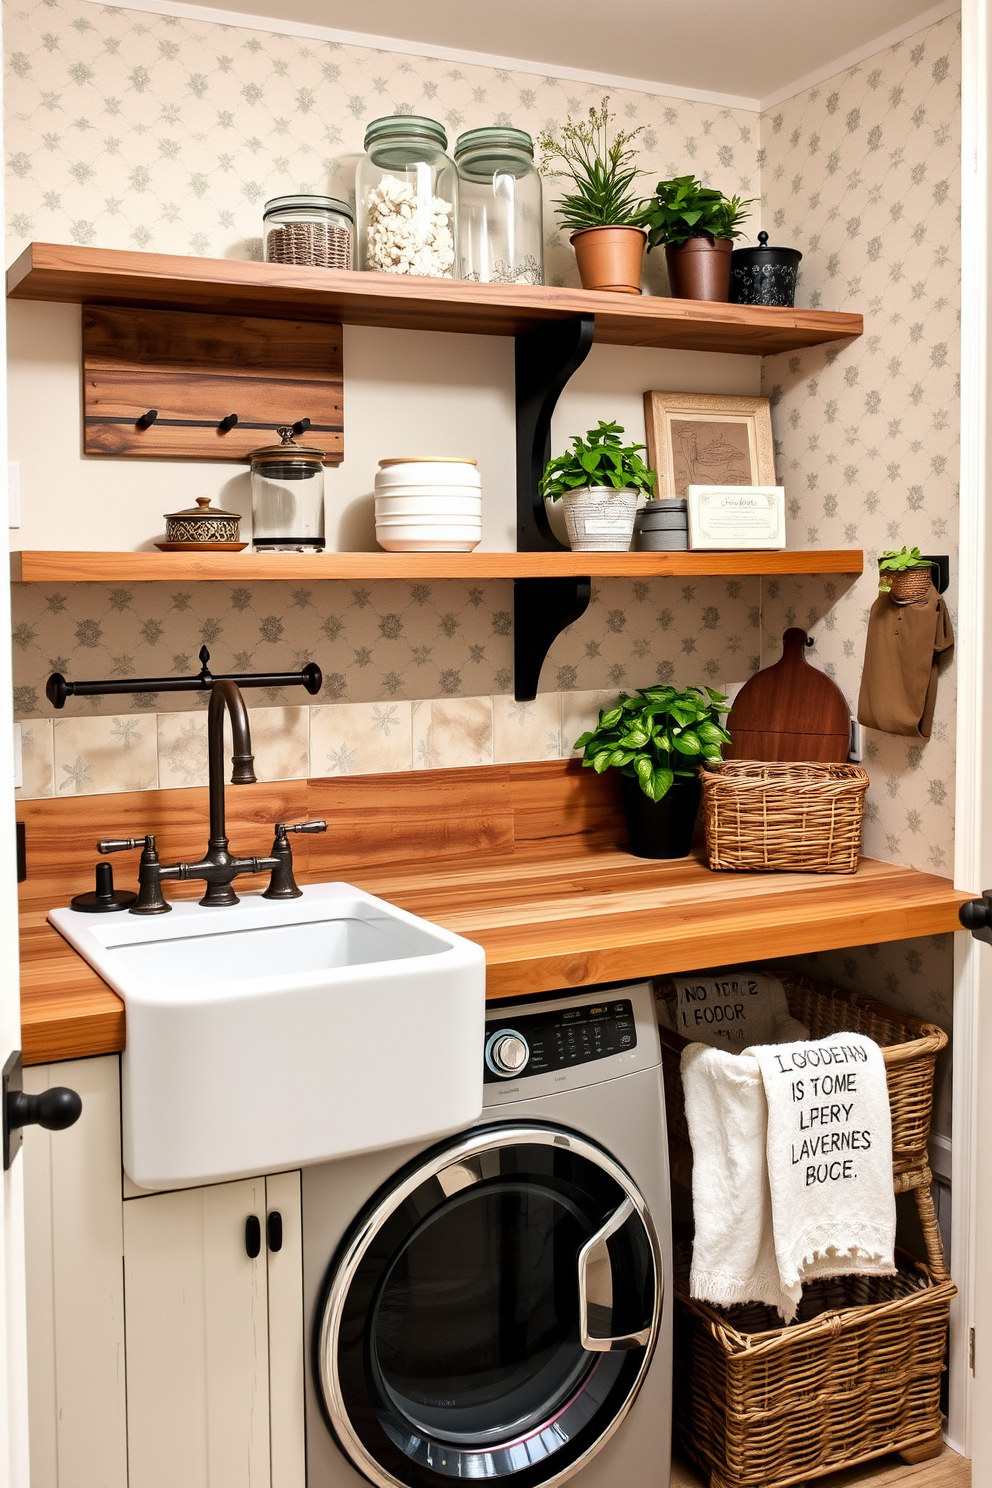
500	209
406	196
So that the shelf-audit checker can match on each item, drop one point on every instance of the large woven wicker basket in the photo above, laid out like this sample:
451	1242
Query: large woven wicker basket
794	817
758	1405
909	1048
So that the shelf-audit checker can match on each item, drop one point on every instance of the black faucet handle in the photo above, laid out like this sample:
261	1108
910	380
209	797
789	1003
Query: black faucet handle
120	844
311	826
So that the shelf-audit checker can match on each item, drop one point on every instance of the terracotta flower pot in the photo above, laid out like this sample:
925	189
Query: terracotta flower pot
699	268
610	258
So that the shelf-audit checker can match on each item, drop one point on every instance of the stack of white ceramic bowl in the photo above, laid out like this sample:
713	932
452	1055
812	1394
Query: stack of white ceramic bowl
428	504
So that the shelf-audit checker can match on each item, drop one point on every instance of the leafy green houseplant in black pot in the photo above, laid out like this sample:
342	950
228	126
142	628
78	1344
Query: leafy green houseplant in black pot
697	226
599	481
657	739
602	213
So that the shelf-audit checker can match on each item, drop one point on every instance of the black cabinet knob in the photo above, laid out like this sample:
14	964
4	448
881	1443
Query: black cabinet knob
253	1237
273	1231
53	1109
974	915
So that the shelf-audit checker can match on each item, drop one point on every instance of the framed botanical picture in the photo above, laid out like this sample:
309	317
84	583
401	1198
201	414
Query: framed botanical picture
708	439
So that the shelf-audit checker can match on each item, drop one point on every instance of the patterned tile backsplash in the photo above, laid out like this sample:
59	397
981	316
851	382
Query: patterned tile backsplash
128	752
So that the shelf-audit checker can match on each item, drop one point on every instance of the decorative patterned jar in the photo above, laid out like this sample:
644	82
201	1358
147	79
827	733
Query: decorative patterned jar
763	275
201	526
500	208
312	230
287	496
406	192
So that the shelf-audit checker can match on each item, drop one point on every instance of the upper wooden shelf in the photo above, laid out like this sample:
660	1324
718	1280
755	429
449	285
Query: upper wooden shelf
44	567
107	276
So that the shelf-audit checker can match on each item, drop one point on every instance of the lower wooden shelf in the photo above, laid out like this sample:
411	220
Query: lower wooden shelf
48	567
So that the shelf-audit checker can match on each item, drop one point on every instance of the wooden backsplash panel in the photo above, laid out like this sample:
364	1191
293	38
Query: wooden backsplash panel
416	816
411	816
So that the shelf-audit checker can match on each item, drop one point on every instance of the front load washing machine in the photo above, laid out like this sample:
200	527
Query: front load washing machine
494	1305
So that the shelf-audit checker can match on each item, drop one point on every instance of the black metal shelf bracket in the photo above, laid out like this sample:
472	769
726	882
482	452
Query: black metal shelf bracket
545	359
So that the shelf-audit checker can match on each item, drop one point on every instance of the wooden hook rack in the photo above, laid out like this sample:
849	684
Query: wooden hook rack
163	383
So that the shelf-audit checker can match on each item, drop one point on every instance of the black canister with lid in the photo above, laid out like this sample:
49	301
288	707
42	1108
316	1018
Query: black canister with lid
763	275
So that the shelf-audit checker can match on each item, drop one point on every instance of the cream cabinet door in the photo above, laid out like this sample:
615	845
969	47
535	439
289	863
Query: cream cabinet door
75	1291
196	1324
286	1343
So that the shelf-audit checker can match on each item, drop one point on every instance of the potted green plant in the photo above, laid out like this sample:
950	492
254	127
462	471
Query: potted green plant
656	739
697	226
599	480
904	575
603	213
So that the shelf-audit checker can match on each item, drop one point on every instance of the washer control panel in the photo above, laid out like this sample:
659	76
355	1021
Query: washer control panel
558	1039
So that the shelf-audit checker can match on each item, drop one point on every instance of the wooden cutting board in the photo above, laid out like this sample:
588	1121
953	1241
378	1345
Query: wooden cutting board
790	711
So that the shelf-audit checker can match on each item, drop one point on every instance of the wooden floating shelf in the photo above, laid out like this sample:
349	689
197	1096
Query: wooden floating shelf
106	276
42	567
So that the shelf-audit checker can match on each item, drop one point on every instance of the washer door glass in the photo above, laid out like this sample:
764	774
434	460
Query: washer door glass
495	1314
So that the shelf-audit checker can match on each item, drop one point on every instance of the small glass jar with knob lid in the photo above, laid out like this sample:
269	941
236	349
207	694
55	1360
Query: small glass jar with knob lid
500	207
406	197
287	496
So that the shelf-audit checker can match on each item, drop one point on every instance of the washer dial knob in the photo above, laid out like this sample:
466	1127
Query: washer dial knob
507	1053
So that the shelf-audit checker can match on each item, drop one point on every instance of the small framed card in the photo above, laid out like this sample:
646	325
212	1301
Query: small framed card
736	517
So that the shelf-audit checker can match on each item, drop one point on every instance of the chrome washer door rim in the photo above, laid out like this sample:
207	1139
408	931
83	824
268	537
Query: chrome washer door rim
452	1155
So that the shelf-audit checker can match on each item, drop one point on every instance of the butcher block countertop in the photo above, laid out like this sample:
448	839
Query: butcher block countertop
548	923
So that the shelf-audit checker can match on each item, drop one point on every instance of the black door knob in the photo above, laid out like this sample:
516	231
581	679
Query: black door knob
53	1109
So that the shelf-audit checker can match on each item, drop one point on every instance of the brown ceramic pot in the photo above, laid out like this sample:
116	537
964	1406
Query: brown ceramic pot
610	258
699	268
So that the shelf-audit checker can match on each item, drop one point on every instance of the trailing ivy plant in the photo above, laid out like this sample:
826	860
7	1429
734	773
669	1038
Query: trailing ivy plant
656	735
683	208
601	459
602	171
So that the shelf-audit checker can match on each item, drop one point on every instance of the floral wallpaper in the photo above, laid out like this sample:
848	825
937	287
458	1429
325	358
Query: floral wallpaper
862	173
131	130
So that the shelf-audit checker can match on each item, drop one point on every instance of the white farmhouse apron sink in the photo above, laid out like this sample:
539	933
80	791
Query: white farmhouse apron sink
278	1033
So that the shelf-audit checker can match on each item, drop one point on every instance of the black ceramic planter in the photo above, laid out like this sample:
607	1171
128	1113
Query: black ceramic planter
661	829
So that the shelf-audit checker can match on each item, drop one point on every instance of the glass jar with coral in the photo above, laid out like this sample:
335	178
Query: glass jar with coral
406	196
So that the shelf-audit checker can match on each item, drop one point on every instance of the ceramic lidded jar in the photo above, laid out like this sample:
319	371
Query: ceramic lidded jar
202	525
287	496
763	275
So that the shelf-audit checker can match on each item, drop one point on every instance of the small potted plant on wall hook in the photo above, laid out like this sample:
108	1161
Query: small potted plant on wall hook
904	575
600	481
697	226
656	740
602	213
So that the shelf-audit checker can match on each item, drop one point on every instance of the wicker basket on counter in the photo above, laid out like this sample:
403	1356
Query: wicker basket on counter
759	1405
796	817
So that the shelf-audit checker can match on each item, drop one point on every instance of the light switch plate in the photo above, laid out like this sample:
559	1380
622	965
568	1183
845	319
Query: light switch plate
854	749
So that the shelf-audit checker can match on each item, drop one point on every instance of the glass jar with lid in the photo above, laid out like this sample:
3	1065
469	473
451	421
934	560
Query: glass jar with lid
287	496
500	207
312	230
406	193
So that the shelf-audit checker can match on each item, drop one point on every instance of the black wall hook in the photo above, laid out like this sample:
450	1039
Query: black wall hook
301	426
147	419
226	424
